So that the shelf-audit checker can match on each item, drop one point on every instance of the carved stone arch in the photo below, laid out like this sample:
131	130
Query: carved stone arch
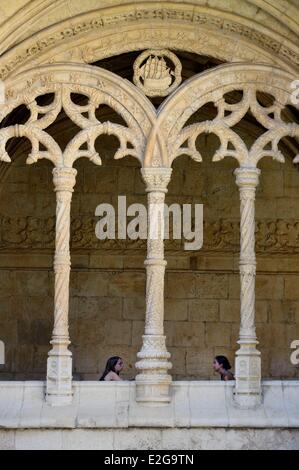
101	87
211	86
94	34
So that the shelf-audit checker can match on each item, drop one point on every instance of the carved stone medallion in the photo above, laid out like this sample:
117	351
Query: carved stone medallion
157	72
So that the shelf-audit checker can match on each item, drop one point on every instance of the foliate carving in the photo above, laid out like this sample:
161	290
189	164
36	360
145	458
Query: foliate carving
156	179
152	344
154	76
38	233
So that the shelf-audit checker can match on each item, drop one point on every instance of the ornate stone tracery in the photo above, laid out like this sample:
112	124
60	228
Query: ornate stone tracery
171	122
212	87
138	115
155	140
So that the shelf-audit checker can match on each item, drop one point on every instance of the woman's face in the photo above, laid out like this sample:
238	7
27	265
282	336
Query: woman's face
119	365
216	365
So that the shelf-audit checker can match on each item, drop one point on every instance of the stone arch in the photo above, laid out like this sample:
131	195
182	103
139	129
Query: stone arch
211	86
180	138
94	34
101	87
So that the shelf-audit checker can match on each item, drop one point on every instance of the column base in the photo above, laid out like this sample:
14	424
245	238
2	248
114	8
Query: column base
153	381
153	390
247	401
248	391
59	375
59	399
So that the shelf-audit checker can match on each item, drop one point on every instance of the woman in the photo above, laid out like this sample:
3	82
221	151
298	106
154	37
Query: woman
221	365
113	367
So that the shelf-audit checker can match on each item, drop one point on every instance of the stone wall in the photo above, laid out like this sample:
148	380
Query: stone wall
107	289
149	439
105	415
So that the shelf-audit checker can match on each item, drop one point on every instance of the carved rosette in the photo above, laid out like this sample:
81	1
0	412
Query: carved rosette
59	367
153	381
248	361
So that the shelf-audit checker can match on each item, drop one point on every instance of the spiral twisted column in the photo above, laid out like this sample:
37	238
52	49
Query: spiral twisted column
248	361
59	365
153	381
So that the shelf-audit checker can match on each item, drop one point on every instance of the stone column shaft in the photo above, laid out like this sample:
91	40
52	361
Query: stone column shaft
153	381
59	365
248	361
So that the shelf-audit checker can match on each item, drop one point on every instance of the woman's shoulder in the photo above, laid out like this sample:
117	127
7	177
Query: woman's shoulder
112	376
229	375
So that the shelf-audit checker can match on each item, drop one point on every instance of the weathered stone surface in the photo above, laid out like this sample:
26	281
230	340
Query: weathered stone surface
199	362
185	288
178	360
176	309
203	310
269	287
261	311
126	284
7	440
185	334
291	287
217	334
212	286
229	311
134	308
155	439
118	332
6	282
91	283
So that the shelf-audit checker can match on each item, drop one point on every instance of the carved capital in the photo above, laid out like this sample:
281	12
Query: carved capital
64	179
156	179
247	178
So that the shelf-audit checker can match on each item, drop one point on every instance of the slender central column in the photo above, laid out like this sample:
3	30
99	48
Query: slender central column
153	381
248	361
59	366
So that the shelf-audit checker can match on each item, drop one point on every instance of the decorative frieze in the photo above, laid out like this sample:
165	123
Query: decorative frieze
223	235
137	15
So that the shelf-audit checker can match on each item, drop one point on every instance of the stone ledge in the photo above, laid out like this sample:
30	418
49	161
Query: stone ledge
148	439
204	404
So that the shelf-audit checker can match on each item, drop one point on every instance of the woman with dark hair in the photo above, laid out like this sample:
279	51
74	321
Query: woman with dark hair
221	365
113	367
